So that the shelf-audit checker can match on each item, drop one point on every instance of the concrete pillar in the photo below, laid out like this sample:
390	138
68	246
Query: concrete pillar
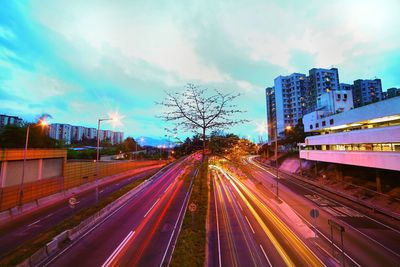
3	172
378	182
40	170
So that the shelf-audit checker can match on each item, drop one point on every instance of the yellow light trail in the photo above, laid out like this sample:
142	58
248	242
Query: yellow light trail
297	244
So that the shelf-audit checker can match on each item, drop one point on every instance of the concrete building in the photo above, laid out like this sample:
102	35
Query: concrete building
118	137
290	95
8	120
77	133
345	86
335	102
321	81
368	136
61	131
393	92
271	112
366	92
70	133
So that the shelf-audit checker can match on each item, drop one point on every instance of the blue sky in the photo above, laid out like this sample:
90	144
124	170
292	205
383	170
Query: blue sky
80	60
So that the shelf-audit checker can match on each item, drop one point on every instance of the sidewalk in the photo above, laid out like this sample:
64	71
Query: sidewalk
45	202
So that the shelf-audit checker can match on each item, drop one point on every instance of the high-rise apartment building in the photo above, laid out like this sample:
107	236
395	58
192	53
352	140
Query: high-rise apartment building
7	120
271	112
70	133
366	92
321	81
393	92
291	97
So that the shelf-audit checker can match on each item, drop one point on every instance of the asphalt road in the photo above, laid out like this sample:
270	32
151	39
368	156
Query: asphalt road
142	232
367	242
26	228
247	233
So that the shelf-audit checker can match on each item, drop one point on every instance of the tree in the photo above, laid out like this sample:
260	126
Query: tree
195	110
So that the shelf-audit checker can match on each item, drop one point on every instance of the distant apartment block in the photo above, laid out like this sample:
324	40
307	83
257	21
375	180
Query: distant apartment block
70	133
9	120
334	102
366	92
392	92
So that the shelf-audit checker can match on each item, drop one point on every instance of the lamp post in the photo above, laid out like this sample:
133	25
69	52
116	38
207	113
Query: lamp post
276	162
43	123
98	155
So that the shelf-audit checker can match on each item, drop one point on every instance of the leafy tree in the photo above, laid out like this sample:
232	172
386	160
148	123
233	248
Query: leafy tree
13	136
128	145
195	110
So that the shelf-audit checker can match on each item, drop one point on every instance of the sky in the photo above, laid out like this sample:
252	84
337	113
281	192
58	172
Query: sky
82	60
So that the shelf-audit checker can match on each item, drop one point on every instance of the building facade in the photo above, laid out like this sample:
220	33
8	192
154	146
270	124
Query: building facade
9	120
291	95
70	133
393	92
366	92
321	81
368	136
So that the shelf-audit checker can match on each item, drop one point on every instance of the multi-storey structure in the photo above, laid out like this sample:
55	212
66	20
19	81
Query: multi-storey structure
271	112
368	136
60	131
393	92
321	81
345	87
78	133
7	120
70	133
290	100
335	102
366	92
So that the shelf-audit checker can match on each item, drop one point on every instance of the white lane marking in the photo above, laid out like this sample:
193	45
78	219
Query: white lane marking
33	223
265	255
251	227
184	207
151	208
168	187
239	206
118	249
216	214
51	214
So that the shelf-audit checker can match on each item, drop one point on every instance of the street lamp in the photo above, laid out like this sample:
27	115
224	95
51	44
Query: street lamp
43	123
98	154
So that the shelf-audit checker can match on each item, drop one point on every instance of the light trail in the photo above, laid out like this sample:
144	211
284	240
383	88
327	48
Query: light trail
298	246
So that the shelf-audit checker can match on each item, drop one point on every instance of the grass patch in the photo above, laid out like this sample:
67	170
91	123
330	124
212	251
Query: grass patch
31	246
190	247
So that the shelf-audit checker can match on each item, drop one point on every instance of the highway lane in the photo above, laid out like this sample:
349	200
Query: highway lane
31	225
237	245
139	233
250	235
367	243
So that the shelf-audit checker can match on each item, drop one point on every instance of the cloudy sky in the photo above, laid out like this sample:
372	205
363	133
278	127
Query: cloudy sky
80	60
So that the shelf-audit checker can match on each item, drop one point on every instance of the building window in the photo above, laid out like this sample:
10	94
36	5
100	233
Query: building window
317	125
311	126
323	123
331	121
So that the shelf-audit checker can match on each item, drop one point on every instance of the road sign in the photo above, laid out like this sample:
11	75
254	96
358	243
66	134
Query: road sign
72	202
192	207
314	213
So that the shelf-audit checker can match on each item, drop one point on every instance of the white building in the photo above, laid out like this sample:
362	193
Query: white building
61	131
368	136
335	102
290	100
321	81
7	120
77	133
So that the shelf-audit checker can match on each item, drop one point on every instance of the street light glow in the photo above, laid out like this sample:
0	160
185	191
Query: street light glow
115	119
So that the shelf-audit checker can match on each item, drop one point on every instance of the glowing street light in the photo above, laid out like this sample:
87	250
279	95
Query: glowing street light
115	118
42	122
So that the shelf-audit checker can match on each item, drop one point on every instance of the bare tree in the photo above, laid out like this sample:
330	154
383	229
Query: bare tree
194	110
